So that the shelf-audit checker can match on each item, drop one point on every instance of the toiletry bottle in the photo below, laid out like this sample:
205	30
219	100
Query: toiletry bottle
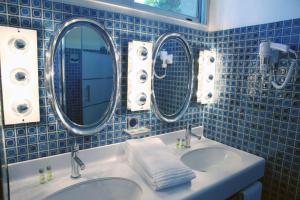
182	143
49	173
42	177
178	143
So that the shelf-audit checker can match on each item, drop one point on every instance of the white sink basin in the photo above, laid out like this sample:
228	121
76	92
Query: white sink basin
211	159
228	171
104	189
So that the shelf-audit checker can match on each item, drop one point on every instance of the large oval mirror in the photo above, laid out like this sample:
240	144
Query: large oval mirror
173	71
83	75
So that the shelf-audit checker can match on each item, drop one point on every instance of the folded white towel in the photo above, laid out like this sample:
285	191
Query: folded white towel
152	160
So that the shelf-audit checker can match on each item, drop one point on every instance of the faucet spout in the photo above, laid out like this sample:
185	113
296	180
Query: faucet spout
79	163
76	163
188	134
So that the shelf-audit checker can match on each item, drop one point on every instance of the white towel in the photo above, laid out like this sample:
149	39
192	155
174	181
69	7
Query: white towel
253	192
152	160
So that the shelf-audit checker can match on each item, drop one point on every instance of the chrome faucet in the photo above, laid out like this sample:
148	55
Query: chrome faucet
188	134
76	163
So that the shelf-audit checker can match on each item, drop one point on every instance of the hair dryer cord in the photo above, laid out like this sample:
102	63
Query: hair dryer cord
292	68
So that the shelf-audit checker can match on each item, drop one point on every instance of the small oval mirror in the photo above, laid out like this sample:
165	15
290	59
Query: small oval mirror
83	75
173	71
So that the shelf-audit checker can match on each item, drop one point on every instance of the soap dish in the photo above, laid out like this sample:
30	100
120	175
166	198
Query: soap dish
138	132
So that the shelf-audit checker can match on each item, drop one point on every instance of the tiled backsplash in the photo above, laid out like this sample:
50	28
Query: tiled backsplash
265	122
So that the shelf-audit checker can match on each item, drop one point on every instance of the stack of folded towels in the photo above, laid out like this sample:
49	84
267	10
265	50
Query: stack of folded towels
152	160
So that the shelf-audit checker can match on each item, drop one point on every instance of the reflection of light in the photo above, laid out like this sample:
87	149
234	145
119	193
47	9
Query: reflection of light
139	1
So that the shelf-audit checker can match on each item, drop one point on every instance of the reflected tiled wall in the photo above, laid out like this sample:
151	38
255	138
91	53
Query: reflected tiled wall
255	117
73	82
171	91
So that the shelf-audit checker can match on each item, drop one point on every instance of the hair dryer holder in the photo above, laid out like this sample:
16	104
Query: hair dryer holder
269	56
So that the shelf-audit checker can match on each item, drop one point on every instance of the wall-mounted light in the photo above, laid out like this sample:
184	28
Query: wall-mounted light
19	72
139	73
206	76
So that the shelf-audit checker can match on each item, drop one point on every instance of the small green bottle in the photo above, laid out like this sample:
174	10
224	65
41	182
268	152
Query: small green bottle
49	173
42	177
183	144
178	143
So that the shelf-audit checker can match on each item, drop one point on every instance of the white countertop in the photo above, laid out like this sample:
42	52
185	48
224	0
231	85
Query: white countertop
110	161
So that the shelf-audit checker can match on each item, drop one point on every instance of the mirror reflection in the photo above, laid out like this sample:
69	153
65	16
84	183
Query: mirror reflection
171	83
83	74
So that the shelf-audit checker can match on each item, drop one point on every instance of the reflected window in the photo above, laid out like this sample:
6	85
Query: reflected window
194	10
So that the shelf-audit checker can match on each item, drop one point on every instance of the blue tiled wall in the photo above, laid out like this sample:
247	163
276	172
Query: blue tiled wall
265	122
73	78
257	118
48	137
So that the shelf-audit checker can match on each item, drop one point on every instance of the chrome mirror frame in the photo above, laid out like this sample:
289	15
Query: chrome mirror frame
72	127
159	42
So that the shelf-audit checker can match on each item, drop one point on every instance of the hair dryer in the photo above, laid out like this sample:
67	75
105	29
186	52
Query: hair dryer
166	59
268	56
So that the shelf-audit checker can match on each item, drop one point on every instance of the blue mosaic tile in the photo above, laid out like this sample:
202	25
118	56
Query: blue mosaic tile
33	148
25	12
11	152
13	10
13	1
25	2
11	160
22	158
47	15
36	13
10	142
2	8
47	4
20	132
57	16
57	6
42	138
67	8
32	139
3	20
21	141
43	147
25	23
8	133
36	3
53	146
22	150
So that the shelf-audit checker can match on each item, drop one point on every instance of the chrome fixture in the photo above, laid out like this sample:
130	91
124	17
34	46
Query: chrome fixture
188	134
268	57
76	163
54	46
